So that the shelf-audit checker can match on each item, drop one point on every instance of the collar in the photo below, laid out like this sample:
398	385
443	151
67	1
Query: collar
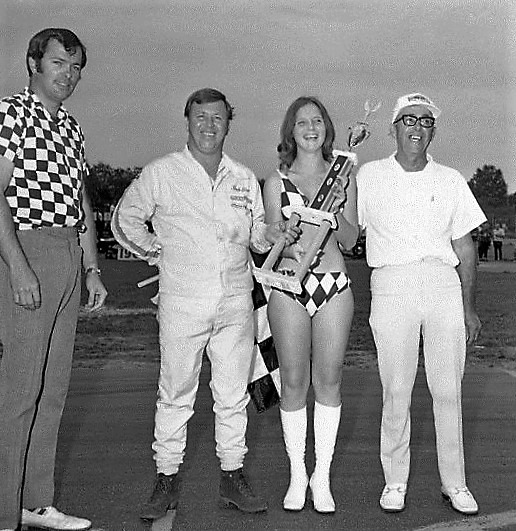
35	103
224	161
397	165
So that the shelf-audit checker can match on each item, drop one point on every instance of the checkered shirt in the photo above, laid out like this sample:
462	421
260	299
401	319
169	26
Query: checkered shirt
49	163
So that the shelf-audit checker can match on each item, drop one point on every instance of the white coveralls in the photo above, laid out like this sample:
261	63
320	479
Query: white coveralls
202	233
411	219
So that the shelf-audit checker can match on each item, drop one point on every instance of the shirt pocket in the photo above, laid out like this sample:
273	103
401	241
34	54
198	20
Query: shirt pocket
241	205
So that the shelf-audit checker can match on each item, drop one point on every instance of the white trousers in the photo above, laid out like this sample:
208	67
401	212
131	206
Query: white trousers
224	329
408	301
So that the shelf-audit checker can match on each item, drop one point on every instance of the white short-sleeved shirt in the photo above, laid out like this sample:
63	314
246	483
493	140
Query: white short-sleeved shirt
412	216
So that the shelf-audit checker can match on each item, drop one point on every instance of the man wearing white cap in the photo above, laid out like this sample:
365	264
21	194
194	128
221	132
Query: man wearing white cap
418	215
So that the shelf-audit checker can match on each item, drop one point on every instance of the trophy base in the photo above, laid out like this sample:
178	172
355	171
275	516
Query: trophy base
278	280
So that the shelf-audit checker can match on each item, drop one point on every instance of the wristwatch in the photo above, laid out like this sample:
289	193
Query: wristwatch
92	269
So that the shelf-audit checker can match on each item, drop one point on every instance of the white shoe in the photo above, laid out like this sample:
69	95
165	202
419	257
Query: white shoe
51	518
392	499
461	499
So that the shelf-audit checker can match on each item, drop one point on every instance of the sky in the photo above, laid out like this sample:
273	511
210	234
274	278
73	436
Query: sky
146	56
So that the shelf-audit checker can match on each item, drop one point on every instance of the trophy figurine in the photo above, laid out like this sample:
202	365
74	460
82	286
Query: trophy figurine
359	132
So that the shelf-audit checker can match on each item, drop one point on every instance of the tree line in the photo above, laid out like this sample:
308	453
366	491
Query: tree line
105	186
490	189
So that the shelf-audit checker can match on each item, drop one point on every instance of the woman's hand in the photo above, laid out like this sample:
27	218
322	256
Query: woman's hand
282	230
340	195
294	251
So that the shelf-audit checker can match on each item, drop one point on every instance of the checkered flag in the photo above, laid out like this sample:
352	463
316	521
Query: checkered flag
264	386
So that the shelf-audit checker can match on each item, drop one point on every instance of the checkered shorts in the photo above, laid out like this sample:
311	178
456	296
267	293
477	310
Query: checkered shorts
319	288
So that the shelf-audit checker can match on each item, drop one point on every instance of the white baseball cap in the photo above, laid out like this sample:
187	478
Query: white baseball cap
415	99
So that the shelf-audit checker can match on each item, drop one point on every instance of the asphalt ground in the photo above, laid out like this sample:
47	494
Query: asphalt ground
105	468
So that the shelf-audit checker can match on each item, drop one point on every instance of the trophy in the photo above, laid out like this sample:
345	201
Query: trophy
319	212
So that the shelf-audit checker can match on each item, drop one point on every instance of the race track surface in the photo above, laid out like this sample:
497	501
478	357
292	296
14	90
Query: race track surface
105	468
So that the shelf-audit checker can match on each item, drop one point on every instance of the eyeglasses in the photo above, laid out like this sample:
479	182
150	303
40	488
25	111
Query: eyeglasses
410	120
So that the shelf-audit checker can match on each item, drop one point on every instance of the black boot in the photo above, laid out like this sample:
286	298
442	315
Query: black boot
235	490
164	497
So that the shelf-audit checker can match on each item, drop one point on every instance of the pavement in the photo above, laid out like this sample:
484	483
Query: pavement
105	468
499	266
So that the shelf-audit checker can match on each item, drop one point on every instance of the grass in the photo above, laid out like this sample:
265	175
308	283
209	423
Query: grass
126	330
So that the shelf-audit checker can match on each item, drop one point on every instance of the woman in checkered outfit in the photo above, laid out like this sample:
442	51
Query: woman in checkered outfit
310	330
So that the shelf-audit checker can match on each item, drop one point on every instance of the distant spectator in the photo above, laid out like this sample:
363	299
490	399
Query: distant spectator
485	235
498	236
474	237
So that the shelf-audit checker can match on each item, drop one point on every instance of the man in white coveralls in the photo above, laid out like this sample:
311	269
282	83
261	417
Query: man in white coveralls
206	211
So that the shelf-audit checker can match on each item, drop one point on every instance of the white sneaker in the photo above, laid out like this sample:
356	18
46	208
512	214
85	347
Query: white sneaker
392	499
51	518
461	499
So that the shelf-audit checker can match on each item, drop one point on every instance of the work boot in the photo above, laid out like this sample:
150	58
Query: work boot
164	497
235	490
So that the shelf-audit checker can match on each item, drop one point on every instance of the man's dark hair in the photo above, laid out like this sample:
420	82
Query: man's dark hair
38	45
207	95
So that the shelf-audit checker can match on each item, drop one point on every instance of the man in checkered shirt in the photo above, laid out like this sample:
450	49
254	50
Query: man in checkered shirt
46	231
